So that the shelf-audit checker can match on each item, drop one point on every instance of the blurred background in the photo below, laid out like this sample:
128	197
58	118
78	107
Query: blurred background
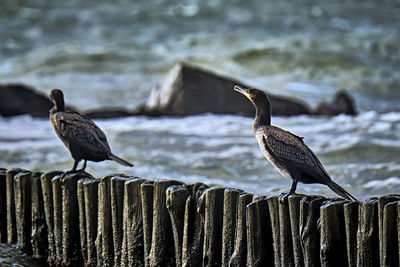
105	54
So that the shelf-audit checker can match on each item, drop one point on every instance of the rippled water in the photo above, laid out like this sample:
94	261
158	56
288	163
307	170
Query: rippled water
11	256
112	54
118	51
361	153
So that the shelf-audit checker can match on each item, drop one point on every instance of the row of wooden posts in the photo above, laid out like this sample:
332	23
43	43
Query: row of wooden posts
73	219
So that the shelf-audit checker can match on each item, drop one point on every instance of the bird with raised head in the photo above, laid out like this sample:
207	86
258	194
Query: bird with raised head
286	151
83	138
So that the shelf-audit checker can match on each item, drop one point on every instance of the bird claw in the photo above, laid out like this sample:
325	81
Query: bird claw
79	171
283	197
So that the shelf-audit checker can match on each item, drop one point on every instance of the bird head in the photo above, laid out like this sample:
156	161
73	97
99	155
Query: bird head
251	93
57	96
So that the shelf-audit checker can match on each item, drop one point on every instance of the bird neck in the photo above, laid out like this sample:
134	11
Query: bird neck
59	105
263	114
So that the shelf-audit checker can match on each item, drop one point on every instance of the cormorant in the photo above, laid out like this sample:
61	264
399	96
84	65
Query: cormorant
286	151
83	138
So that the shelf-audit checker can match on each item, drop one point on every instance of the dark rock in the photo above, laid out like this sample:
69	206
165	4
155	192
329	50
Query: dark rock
342	102
188	90
17	99
110	113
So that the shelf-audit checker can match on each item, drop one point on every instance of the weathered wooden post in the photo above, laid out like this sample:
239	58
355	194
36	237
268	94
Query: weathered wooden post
162	243
47	191
239	256
117	201
133	242
176	200
82	219
71	247
294	211
260	251
135	222
193	229
285	236
90	188
214	206
104	240
57	218
273	208
390	242
88	203
23	209
310	241
333	234
231	197
11	220
367	234
351	225
3	206
40	236
147	195
382	201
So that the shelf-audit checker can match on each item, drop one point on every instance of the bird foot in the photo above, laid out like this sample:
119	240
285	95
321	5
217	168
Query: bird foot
283	197
79	171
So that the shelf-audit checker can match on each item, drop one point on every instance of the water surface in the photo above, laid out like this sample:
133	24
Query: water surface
105	54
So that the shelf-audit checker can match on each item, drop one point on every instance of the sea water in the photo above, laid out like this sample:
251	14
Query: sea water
104	54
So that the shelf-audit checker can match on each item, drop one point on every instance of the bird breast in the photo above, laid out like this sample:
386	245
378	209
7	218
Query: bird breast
260	136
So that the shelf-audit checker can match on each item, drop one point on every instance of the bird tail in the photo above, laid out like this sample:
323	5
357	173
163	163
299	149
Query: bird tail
340	191
120	161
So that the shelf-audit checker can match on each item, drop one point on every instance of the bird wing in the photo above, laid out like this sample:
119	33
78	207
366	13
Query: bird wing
290	148
78	130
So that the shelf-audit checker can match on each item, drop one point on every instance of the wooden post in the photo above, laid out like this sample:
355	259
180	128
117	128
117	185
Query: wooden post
382	201
214	206
309	215
58	220
47	191
11	220
135	222
273	207
82	219
71	249
333	235
193	229
367	234
104	241
3	206
390	245
285	235
259	234
176	200
239	256
147	195
162	243
23	210
133	242
90	188
294	211
88	203
231	197
39	237
117	201
351	224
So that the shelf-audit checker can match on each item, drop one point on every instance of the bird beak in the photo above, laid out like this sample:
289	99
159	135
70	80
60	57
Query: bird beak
242	90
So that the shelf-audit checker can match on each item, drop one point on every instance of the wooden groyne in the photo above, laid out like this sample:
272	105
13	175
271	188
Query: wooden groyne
73	219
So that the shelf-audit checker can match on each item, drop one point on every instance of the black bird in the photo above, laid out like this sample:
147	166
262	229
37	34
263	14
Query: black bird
84	139
286	151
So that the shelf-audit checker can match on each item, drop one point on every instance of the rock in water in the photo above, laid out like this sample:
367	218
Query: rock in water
17	99
189	90
342	103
